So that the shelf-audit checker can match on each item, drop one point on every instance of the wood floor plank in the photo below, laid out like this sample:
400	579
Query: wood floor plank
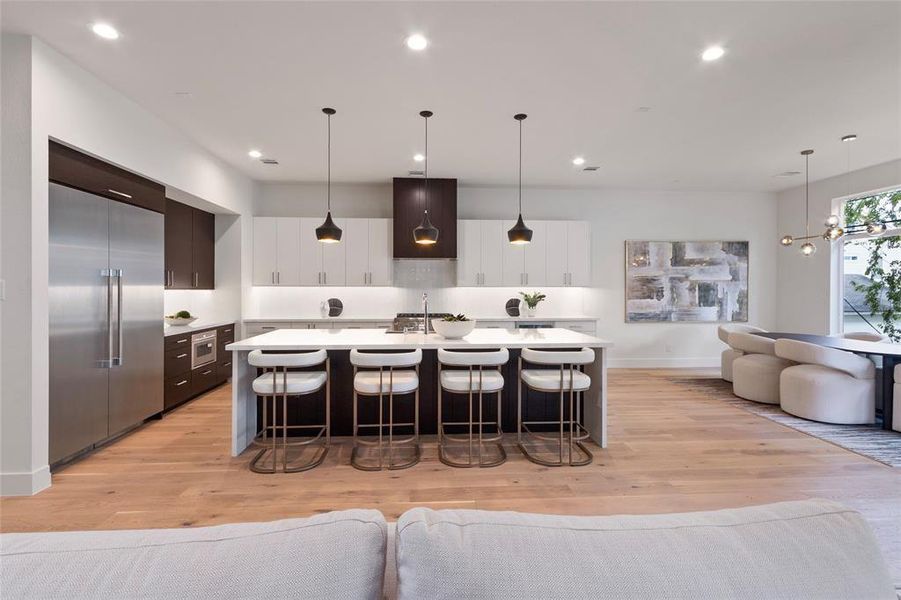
674	446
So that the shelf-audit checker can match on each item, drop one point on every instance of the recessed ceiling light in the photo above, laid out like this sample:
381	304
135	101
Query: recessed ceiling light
105	30
418	157
578	161
850	137
713	53
643	109
417	42
254	154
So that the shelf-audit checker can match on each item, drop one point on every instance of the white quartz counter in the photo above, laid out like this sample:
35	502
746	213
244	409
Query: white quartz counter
195	326
391	318
379	339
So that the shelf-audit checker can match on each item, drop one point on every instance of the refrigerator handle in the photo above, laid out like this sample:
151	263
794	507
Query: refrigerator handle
118	361
108	361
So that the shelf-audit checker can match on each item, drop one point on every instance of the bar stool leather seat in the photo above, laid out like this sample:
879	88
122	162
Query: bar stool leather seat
459	381
548	380
297	383
402	382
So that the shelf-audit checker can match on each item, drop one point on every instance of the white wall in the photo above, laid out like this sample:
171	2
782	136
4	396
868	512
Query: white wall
69	104
805	298
615	216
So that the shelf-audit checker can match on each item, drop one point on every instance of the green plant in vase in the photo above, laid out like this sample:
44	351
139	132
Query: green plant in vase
532	301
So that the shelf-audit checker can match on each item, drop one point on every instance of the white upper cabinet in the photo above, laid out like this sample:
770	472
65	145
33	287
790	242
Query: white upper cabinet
535	255
493	238
288	233
556	253
469	253
276	251
310	252
356	238
578	252
368	252
380	251
568	253
265	250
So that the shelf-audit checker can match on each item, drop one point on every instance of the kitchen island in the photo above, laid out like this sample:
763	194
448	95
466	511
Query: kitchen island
339	342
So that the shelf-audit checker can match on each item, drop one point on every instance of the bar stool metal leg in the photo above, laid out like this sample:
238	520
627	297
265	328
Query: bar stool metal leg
355	457
475	440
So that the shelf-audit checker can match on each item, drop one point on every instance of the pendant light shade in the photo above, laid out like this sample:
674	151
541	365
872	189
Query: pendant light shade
426	234
519	233
328	232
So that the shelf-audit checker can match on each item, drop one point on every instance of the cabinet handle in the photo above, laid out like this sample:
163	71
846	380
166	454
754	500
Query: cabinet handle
118	193
228	364
181	356
272	277
267	327
182	341
226	331
181	382
206	372
278	277
325	277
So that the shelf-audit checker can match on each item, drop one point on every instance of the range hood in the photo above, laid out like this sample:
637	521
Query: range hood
409	204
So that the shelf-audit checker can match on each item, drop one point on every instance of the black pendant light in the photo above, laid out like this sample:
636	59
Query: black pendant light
328	232
426	234
519	233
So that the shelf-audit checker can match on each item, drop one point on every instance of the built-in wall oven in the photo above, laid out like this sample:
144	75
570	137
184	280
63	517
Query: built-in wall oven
203	349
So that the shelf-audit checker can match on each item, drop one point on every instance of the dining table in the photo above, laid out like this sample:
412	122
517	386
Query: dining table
890	353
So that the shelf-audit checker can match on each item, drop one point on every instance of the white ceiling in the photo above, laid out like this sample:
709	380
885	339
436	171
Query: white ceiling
795	75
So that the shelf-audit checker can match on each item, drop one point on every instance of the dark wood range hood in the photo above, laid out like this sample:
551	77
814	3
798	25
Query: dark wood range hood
409	203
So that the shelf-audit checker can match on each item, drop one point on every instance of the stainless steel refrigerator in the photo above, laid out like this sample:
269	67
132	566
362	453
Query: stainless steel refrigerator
106	307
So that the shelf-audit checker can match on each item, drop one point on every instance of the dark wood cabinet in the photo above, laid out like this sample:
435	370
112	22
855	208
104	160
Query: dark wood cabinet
75	169
409	204
183	383
190	247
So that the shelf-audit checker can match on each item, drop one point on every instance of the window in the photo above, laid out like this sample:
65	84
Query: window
871	278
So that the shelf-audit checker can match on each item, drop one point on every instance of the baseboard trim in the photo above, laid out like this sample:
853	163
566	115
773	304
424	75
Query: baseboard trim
664	363
25	484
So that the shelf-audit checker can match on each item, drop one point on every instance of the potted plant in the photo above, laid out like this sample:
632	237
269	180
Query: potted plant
532	300
182	317
453	327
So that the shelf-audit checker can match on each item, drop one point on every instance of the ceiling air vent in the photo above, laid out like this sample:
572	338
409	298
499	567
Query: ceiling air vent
416	173
787	174
591	168
268	161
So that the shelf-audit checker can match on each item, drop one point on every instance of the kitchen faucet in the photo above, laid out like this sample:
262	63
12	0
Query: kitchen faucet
425	313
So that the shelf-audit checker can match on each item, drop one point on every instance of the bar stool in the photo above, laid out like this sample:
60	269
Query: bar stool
393	376
277	382
567	378
475	379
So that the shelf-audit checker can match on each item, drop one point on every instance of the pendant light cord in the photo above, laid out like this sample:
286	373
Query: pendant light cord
520	167
328	188
807	192
426	165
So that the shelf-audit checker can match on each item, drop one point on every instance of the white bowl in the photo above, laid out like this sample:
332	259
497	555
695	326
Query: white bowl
453	330
179	320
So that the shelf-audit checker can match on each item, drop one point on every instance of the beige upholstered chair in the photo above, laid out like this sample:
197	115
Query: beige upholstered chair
755	374
730	354
864	336
831	386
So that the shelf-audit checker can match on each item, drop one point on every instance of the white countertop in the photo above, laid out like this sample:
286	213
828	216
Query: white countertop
391	318
195	326
378	339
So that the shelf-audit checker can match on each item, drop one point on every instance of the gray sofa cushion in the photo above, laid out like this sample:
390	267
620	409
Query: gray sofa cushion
811	549
335	555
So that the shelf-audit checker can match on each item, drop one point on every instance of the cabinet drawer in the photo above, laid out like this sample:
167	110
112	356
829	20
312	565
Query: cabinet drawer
176	342
226	334
588	327
177	362
204	378
251	329
224	368
178	389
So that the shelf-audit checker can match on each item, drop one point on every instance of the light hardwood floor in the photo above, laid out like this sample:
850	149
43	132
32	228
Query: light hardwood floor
673	447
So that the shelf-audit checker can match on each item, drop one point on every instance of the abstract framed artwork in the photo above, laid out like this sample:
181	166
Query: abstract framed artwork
686	282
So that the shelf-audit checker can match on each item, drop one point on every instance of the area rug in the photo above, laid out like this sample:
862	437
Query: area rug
868	440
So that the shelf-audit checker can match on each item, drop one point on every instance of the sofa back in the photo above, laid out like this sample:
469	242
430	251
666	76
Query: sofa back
811	549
